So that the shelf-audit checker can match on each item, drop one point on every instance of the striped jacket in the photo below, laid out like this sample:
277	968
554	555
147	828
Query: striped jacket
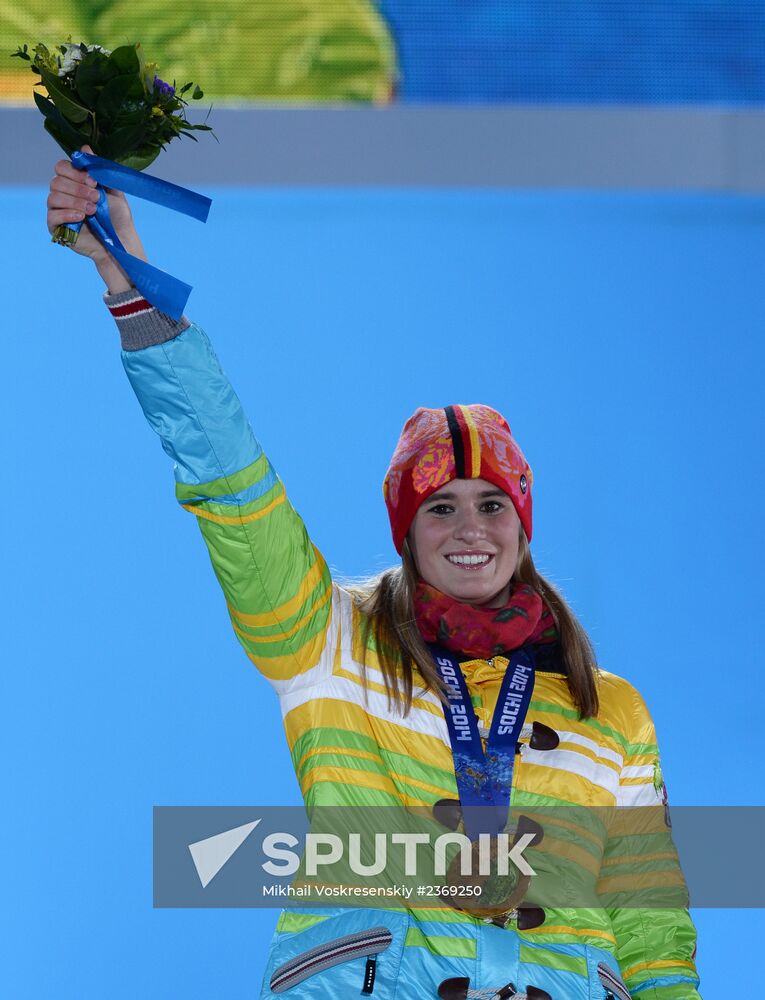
349	747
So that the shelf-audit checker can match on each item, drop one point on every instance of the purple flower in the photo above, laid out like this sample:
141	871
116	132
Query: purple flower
162	87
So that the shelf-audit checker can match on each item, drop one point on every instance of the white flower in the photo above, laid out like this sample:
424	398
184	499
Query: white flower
73	53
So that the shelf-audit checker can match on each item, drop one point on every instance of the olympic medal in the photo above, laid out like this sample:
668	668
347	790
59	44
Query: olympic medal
486	890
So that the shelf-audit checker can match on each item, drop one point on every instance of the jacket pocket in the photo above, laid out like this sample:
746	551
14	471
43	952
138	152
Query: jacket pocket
350	952
364	944
612	983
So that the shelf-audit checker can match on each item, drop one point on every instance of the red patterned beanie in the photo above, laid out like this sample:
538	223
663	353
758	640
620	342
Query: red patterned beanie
457	442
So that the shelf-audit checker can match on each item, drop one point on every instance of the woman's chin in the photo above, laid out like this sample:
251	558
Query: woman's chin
477	595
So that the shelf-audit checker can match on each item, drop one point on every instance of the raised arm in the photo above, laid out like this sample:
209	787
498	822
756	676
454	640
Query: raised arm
277	586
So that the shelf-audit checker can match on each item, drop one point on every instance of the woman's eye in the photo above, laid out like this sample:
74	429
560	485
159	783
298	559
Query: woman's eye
440	509
492	507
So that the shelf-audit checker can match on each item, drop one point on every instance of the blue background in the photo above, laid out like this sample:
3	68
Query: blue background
621	336
597	51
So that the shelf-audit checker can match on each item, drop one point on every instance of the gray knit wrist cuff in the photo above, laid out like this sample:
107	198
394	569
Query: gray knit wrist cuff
140	324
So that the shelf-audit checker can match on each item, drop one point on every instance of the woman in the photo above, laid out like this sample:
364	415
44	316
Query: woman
451	683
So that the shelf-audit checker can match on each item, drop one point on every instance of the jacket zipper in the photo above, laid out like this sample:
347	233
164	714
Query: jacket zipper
364	944
614	987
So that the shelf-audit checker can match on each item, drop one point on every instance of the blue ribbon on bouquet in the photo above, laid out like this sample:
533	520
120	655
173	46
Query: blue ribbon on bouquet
161	289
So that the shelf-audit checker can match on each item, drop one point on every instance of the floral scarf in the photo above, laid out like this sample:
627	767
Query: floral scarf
483	632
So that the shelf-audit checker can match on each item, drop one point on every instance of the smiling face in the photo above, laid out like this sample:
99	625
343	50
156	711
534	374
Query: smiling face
465	541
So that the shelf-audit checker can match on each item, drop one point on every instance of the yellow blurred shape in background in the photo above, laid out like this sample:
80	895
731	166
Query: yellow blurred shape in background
285	51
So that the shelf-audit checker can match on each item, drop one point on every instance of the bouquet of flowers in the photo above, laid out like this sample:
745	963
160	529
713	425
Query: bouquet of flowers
117	104
113	101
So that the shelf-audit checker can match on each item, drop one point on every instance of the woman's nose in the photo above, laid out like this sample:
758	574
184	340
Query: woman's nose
468	526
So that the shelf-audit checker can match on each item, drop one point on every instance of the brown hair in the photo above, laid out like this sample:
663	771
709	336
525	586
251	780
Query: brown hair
386	604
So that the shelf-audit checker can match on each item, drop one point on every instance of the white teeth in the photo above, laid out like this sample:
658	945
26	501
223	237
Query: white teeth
469	560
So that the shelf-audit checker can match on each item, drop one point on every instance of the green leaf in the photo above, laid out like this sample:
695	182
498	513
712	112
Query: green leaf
63	98
120	96
22	54
125	60
93	72
64	134
51	129
71	138
132	116
44	104
123	142
182	90
141	158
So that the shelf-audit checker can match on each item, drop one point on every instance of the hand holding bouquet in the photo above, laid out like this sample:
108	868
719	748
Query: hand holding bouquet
115	104
73	199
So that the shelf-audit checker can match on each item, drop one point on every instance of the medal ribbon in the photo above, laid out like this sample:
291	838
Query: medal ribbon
162	290
485	779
